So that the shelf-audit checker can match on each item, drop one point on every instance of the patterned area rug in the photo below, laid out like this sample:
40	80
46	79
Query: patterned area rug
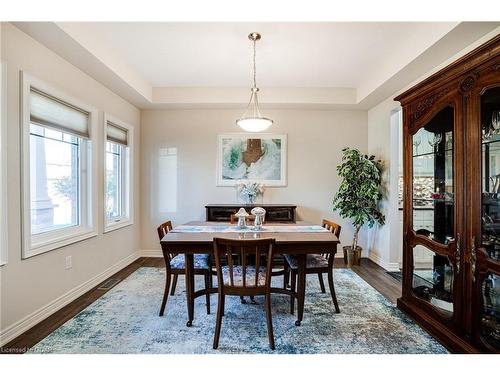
125	320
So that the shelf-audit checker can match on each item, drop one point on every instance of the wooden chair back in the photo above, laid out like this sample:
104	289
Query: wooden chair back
162	230
335	229
237	256
234	219
332	227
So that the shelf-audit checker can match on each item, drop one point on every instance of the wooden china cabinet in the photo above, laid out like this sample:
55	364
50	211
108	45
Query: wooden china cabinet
451	239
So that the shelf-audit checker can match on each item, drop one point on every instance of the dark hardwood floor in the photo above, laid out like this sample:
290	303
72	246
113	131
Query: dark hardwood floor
378	278
372	273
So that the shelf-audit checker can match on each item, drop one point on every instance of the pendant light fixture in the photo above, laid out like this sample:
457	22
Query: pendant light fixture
252	120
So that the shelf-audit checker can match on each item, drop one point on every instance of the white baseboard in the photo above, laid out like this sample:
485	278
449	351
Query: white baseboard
151	253
391	267
16	329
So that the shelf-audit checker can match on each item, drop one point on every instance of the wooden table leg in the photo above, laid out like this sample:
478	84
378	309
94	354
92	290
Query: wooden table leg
189	264
301	287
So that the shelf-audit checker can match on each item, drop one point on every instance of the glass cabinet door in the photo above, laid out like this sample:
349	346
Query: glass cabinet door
490	309
489	278
433	279
490	202
434	210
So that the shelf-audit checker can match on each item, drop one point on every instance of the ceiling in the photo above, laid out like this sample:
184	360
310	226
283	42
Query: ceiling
288	55
180	63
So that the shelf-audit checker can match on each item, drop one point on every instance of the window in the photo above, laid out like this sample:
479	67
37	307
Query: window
118	189
58	169
54	176
3	164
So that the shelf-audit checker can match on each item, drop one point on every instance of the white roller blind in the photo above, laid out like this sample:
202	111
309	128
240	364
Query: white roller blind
48	111
116	134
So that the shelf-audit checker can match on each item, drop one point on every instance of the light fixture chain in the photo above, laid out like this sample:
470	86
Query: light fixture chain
254	66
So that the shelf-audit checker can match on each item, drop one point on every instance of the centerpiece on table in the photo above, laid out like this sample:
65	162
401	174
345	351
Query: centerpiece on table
259	214
249	191
242	215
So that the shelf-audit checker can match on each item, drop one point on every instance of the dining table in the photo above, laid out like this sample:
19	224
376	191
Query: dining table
298	239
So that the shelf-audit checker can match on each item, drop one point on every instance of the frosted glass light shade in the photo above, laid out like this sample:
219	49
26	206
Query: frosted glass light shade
254	124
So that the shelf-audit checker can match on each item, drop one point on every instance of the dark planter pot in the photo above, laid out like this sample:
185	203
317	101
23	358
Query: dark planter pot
353	256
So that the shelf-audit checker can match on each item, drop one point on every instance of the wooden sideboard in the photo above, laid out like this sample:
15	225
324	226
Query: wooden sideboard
284	213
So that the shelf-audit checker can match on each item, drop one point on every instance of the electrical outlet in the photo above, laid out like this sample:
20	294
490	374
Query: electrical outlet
69	262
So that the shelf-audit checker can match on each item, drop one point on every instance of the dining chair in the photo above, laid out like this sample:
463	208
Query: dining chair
315	264
243	279
175	266
278	261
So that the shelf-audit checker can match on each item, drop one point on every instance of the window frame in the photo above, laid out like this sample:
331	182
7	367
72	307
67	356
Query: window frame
87	227
127	176
3	164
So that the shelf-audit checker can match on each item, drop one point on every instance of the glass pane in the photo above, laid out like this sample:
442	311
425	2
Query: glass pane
433	191
54	180
114	153
433	279
490	320
490	130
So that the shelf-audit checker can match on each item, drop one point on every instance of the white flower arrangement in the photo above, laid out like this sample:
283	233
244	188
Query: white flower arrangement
249	191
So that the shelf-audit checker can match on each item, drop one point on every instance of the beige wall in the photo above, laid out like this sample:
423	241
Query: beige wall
28	285
315	140
385	242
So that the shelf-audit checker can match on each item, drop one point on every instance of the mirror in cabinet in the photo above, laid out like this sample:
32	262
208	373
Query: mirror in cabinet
433	190
490	204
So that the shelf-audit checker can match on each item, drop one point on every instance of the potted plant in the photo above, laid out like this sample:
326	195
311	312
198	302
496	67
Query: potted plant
359	195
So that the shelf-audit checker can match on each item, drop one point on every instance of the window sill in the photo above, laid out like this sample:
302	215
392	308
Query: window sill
111	226
56	243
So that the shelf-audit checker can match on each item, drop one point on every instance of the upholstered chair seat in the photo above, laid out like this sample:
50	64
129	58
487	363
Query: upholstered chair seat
238	276
200	261
313	261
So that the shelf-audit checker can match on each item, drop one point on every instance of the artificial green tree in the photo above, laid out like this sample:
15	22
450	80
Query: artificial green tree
359	193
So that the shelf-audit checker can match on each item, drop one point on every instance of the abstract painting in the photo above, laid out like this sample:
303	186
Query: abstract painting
248	157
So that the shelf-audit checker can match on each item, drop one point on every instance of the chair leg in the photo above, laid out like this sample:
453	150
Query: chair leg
286	276
224	305
218	322
207	295
293	282
321	283
332	290
165	293
174	284
243	300
269	319
345	256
